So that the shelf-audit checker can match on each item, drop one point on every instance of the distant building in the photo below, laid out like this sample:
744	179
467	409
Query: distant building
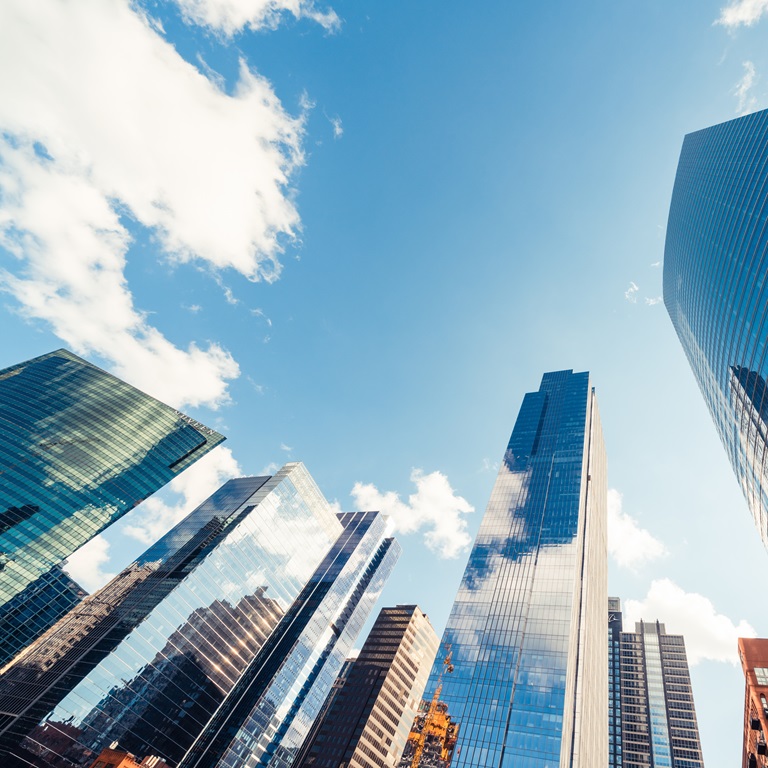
527	628
658	716
753	653
373	707
614	682
80	448
716	288
262	581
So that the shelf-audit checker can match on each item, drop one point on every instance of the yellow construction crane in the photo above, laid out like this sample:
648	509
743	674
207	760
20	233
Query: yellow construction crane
432	714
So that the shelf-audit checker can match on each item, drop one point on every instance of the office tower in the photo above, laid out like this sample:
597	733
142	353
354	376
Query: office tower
716	287
369	719
658	714
262	573
80	448
527	629
753	653
614	682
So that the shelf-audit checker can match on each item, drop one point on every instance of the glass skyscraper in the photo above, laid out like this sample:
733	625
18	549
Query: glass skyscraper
526	633
263	577
80	448
659	725
716	287
615	626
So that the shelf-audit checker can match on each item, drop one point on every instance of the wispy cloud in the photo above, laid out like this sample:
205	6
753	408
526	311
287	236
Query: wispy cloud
746	101
86	565
651	302
631	293
709	635
286	448
656	264
231	16
193	486
338	128
102	123
630	545
434	507
742	13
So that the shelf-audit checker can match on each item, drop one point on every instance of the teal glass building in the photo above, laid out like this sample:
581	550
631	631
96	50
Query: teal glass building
80	448
716	288
527	635
246	609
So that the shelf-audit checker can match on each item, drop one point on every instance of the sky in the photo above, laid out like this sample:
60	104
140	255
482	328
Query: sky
354	234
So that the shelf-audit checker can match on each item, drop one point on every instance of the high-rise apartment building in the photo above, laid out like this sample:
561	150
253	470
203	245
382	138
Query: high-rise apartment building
753	653
80	448
716	288
262	581
368	721
527	629
614	682
658	718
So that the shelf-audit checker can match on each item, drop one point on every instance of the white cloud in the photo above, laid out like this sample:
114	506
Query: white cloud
86	565
434	507
742	12
286	448
656	264
708	634
652	302
631	293
155	517
746	102
338	128
102	122
630	545
230	16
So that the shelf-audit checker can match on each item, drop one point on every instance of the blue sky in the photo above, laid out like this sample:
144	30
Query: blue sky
355	234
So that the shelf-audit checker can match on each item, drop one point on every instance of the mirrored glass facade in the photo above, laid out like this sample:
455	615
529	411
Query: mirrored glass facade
269	713
716	287
80	448
659	725
527	629
149	658
615	627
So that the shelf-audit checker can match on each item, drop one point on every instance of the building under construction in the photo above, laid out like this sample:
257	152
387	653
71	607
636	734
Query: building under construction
432	738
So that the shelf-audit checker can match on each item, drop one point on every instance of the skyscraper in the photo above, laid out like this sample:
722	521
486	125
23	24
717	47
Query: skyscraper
753	652
367	724
261	576
527	630
614	682
80	448
716	287
658	715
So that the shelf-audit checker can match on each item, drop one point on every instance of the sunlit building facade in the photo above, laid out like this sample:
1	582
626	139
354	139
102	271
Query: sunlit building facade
659	725
716	287
80	448
753	653
262	570
368	722
527	633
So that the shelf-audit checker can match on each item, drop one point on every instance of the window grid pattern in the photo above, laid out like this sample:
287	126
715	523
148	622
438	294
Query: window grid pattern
527	628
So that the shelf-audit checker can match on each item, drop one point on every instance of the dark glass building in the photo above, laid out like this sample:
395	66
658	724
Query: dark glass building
252	577
80	448
614	682
527	629
716	287
367	723
658	715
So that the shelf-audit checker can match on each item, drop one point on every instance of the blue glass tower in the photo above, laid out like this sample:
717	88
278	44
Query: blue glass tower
262	589
527	630
716	288
80	448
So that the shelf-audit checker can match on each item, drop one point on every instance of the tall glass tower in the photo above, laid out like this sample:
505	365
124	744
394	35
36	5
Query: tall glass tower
716	288
247	608
80	448
526	633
